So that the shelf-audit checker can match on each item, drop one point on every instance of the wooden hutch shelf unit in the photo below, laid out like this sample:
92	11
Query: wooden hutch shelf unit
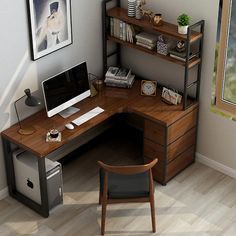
166	29
174	145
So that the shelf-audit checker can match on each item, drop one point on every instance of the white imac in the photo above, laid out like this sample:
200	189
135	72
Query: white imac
65	89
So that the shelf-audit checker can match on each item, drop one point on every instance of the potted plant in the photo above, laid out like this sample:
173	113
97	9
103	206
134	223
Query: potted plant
183	23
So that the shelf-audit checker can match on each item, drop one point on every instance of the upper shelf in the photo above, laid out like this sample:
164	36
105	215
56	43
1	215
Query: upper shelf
166	28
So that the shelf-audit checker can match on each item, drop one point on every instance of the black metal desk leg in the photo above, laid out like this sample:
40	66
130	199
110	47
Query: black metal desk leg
43	187
9	166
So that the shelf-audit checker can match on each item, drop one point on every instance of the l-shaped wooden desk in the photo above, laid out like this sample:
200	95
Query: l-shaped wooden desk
169	133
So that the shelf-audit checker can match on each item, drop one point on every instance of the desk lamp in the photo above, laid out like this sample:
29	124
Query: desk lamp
31	101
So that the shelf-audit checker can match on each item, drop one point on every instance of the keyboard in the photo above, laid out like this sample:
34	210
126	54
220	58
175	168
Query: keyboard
87	116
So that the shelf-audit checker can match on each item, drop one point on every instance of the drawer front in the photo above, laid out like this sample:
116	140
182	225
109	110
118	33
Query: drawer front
181	144
154	132
181	126
157	171
153	150
178	164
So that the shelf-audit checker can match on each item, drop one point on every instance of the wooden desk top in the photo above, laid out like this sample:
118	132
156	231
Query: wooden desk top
113	100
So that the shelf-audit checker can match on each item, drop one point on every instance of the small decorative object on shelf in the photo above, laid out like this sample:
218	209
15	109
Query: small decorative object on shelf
131	8
145	12
180	46
148	87
171	97
162	45
157	19
138	14
183	23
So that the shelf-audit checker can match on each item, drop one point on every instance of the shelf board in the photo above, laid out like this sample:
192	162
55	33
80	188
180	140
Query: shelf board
192	62
166	28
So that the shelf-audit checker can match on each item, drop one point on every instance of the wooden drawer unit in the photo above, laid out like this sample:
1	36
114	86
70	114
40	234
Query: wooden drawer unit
157	132
174	146
154	150
163	172
154	132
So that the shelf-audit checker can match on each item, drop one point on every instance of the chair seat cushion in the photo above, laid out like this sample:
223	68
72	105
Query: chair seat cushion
126	186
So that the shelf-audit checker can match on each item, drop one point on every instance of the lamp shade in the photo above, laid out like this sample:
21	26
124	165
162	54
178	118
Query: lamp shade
31	100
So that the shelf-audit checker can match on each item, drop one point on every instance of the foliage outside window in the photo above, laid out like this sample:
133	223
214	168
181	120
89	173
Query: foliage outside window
225	58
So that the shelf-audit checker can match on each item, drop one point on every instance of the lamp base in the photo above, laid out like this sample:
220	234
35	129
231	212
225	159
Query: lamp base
26	131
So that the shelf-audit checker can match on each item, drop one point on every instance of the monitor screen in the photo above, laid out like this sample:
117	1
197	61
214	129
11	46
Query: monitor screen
65	89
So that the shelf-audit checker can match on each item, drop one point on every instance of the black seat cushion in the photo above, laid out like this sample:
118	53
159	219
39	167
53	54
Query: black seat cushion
126	186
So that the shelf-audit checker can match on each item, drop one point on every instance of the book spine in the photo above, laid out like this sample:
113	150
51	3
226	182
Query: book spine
144	45
124	31
116	28
111	26
121	30
146	39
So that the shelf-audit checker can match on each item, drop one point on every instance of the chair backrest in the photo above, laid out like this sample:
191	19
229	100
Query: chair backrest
126	181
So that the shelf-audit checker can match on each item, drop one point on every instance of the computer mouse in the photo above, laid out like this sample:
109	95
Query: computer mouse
69	126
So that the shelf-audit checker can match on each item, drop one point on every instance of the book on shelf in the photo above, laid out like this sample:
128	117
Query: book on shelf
183	54
118	73
146	42
147	37
123	31
145	45
191	56
111	26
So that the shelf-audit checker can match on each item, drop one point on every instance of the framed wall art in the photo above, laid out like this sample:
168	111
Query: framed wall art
51	28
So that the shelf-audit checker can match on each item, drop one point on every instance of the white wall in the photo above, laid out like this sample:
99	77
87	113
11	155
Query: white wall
216	137
18	71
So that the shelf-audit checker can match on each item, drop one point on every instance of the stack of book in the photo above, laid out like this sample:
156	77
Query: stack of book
146	40
121	30
119	77
182	55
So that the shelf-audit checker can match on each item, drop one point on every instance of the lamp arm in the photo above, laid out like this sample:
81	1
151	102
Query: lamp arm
17	111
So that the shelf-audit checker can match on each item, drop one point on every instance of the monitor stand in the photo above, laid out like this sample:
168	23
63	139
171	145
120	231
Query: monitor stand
68	112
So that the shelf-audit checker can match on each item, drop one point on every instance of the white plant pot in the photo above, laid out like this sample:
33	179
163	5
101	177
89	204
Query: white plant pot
182	29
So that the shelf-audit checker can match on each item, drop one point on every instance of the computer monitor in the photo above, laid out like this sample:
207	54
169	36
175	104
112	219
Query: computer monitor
65	89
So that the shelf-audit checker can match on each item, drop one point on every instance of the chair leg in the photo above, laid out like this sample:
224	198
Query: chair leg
100	197
104	209
152	205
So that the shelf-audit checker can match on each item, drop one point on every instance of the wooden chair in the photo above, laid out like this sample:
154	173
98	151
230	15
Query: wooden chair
119	184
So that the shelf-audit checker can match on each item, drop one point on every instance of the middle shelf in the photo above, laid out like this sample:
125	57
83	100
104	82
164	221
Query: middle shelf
193	62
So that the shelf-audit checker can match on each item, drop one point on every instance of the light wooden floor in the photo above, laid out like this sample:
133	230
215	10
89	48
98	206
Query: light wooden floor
198	202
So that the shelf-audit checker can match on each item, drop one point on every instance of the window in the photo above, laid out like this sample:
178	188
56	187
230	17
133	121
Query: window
226	64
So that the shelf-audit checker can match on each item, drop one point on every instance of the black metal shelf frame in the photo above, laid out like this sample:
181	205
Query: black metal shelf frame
117	52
